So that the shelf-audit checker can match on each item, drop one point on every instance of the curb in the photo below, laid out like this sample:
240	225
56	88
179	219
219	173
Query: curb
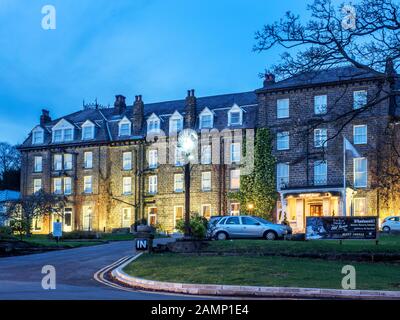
248	291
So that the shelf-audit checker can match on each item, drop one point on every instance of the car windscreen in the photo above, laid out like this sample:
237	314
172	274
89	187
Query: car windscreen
262	220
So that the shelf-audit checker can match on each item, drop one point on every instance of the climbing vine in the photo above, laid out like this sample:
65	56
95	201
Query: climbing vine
258	195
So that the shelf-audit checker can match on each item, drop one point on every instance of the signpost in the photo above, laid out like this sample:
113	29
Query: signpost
57	230
142	244
341	228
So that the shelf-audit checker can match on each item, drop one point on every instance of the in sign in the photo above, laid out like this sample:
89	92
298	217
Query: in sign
141	244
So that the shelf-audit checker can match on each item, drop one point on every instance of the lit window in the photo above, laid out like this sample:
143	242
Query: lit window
67	185
235	179
178	182
124	127
235	209
57	162
206	119
235	152
206	181
282	106
87	131
320	138
153	124
57	185
38	164
175	123
126	217
37	223
178	214
320	104
360	172
88	160
320	173
87	180
153	184
68	161
282	140
360	134
206	211
282	175
360	99
37	185
360	206
127	185
58	135
68	135
127	160
153	159
38	136
206	154
235	116
179	157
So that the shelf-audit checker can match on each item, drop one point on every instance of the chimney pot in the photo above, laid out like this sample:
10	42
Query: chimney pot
45	117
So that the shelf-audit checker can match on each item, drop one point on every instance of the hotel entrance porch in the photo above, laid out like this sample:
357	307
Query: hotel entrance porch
310	202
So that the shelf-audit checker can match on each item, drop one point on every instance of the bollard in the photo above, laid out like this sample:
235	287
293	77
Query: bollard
144	239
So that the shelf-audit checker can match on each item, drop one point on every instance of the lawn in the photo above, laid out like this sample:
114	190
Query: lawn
44	241
387	244
262	271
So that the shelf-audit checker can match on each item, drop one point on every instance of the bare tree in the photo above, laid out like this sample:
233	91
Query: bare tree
366	36
9	158
38	205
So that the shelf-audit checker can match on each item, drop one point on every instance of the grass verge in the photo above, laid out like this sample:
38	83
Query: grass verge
387	244
262	271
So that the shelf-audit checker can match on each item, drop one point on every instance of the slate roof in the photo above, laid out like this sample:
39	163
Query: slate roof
106	121
341	74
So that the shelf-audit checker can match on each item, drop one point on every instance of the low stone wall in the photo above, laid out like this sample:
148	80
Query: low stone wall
247	291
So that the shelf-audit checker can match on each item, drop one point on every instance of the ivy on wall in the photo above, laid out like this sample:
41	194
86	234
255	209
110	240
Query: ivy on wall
258	195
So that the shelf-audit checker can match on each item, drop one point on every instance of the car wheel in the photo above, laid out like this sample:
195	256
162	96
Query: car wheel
386	229
221	236
270	235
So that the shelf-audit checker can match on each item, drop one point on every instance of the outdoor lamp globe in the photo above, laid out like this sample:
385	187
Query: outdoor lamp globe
187	141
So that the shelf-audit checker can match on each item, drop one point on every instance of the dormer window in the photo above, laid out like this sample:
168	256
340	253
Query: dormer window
124	127
88	130
175	123
37	136
63	131
153	124
206	119
235	116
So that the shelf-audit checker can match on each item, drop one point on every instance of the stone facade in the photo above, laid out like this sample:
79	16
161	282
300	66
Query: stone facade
107	206
302	195
220	121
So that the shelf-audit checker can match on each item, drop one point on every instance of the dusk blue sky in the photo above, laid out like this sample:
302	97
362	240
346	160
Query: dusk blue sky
157	48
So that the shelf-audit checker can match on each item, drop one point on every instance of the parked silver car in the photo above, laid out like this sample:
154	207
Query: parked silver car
248	227
391	224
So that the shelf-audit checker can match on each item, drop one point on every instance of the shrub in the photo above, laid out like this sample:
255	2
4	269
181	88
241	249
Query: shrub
198	226
80	235
6	230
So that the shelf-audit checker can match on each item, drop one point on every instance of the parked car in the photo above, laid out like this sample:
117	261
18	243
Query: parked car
391	224
212	225
233	227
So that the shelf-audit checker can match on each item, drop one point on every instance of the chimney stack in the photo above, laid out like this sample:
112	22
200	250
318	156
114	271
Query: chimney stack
138	115
190	110
119	104
45	117
269	79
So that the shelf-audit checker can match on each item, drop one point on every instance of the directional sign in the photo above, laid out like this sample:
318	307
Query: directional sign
57	229
142	244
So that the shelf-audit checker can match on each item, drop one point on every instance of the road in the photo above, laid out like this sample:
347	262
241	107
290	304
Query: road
21	277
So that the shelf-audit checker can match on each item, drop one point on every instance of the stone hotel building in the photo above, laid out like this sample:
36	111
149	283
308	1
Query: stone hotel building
117	165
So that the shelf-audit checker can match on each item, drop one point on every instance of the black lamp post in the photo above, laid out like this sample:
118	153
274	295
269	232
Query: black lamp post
187	142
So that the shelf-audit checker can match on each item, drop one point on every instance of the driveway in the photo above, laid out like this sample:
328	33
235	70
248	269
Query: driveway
21	277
